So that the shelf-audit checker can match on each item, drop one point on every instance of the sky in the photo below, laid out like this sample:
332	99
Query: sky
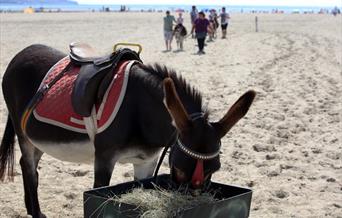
318	3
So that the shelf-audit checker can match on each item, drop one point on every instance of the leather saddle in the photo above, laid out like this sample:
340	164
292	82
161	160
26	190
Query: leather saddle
95	74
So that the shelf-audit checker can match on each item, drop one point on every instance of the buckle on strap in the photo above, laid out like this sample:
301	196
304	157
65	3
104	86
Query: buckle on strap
196	116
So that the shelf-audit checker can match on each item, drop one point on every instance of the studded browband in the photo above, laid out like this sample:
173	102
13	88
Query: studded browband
194	154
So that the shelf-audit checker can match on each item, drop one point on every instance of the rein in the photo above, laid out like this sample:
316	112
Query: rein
163	156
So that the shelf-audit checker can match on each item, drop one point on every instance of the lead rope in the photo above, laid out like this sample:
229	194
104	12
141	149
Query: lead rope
162	157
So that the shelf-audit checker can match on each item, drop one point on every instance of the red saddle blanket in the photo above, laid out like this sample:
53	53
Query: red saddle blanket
56	109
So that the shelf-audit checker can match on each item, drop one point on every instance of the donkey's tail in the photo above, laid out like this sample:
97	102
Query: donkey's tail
7	151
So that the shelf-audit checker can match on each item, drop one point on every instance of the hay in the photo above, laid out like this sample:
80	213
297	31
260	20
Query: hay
161	203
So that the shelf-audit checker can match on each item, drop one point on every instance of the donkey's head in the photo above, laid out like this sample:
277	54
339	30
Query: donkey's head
195	155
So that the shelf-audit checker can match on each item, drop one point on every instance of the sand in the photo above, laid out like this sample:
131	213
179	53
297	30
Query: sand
287	149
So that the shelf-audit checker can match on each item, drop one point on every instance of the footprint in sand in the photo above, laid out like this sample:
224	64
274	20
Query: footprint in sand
79	173
281	194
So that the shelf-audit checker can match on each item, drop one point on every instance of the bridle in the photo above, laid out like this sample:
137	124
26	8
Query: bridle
185	149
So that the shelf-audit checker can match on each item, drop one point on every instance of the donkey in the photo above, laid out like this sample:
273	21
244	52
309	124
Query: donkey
180	34
159	109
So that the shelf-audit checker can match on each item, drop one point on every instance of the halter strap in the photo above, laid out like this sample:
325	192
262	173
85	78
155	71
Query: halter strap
196	116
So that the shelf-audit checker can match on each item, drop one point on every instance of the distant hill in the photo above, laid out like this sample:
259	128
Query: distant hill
38	2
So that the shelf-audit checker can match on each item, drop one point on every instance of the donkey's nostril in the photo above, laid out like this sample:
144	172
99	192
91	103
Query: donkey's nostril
180	175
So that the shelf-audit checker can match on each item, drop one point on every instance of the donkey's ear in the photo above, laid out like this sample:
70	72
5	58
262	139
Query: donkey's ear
175	106
235	113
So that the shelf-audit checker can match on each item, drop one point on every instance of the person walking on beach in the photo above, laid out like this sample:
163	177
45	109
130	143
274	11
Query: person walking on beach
168	30
193	16
213	24
224	22
201	26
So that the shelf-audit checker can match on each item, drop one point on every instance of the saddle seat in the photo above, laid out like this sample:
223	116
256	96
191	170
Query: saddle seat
82	52
95	74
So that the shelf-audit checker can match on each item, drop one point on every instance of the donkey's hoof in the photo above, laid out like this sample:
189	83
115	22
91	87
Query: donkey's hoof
39	216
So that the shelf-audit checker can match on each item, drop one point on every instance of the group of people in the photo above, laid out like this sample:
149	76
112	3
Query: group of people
201	27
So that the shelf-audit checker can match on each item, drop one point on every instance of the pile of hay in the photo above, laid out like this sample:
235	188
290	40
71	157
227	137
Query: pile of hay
161	203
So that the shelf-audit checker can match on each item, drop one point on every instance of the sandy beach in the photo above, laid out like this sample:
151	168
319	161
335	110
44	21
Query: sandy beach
287	149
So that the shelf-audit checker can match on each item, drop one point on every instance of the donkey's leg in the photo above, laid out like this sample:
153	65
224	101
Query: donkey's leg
181	43
142	171
29	162
104	166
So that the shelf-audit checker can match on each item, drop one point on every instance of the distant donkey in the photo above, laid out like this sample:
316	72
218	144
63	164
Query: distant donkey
180	34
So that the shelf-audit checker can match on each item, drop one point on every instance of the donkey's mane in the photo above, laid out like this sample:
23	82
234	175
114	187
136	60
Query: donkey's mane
186	92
